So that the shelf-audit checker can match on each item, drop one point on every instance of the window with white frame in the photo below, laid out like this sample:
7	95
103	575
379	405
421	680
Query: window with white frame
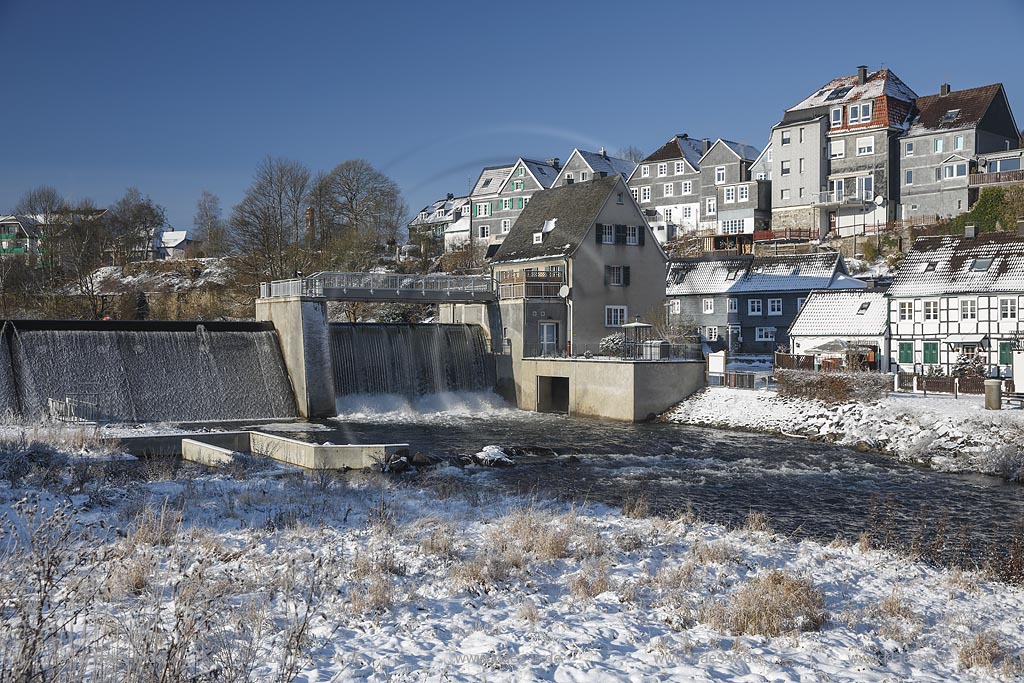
764	334
909	150
968	309
667	212
800	165
836	149
506	224
785	138
614	276
734	305
958	142
607	234
662	170
669	189
517	185
710	206
801	135
583	176
938	145
908	177
800	302
1007	309
485	231
635	192
687	187
860	113
709	306
680	168
719	175
865	146
483	209
730	195
711	333
784	193
645	171
521	171
645	193
744	193
837	117
866	187
632	234
774	306
785	168
506	204
906	311
931	310
754	307
687	212
614	316
569	176
676	306
733	226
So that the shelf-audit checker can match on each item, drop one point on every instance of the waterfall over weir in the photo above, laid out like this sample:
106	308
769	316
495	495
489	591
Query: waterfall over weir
410	359
154	371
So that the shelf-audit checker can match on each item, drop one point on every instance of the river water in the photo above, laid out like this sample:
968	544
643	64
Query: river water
808	489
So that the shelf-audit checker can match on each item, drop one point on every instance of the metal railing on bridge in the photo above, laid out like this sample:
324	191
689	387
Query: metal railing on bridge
383	286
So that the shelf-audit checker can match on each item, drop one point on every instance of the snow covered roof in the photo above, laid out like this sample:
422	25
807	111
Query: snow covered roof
958	110
747	274
680	146
444	206
745	152
491	179
991	262
599	162
842	313
847	89
171	239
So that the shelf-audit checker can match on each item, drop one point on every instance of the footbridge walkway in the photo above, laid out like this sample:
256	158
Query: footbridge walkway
397	287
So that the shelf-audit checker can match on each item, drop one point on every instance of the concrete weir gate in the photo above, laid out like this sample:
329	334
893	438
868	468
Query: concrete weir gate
298	310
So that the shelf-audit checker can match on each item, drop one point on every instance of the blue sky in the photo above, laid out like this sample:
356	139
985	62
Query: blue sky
180	96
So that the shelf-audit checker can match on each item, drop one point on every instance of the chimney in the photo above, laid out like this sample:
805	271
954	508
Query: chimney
970	231
1020	226
604	174
556	162
944	89
862	75
684	136
705	145
450	196
603	153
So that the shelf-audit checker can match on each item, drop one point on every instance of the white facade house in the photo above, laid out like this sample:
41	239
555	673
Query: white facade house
958	295
840	323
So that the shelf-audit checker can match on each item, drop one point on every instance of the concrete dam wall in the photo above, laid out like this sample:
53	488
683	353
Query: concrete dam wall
144	371
410	359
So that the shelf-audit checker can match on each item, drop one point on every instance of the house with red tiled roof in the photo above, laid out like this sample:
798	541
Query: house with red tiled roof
832	170
948	134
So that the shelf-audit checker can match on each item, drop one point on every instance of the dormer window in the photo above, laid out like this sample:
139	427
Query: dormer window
837	117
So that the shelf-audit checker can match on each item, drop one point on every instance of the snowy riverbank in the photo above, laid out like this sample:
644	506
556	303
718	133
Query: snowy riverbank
241	575
946	433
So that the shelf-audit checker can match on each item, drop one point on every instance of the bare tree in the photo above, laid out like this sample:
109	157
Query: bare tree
268	224
79	247
43	201
630	153
210	226
133	222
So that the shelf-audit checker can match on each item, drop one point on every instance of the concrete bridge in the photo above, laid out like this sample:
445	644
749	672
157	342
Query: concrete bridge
427	289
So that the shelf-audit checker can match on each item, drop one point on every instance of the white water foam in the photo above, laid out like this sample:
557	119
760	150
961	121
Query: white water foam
442	408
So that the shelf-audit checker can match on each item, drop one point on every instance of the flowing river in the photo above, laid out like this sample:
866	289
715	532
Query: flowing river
807	489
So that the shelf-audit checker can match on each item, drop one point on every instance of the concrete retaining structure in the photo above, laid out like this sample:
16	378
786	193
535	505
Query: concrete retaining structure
633	391
170	444
323	456
205	454
301	324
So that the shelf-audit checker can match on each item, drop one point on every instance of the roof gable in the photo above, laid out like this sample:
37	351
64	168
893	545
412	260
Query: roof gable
542	172
574	208
679	147
598	163
739	150
491	179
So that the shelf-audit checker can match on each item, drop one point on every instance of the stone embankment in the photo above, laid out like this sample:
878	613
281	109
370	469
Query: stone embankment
955	435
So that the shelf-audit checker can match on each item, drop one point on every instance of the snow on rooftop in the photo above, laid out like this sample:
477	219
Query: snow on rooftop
760	274
854	313
992	262
846	89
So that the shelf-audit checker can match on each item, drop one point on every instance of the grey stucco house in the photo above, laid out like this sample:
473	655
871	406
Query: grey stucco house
940	151
582	166
746	304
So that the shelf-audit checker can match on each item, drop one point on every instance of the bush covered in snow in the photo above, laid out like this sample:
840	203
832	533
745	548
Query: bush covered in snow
613	345
833	387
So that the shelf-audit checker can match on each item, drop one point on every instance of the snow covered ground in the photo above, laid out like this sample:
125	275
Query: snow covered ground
948	434
247	575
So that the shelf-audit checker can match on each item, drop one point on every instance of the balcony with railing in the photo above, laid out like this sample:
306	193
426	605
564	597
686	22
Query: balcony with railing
529	284
12	245
1000	178
850	196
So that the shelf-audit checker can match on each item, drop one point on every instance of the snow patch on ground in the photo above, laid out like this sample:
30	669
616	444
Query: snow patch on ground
948	434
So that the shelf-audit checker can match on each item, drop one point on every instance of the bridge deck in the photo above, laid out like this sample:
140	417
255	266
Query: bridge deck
385	287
